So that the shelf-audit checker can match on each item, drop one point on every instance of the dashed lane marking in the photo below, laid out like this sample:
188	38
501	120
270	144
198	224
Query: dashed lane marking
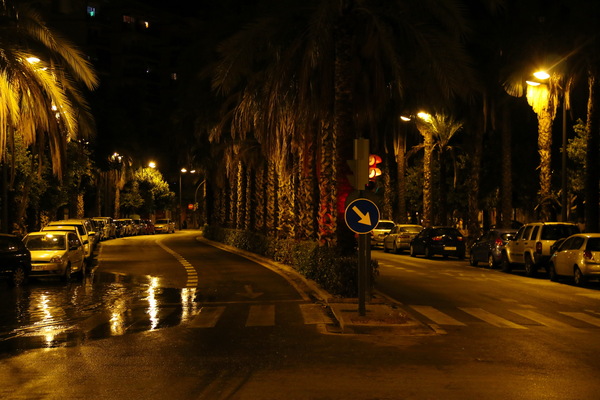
192	275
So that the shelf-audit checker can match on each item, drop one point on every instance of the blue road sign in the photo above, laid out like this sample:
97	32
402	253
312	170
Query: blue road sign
362	216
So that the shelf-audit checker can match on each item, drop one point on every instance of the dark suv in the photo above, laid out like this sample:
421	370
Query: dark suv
443	240
15	260
531	247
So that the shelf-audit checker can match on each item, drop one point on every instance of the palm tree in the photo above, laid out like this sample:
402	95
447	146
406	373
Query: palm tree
309	59
39	97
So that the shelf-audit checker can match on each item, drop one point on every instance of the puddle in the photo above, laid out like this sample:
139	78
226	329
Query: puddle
48	313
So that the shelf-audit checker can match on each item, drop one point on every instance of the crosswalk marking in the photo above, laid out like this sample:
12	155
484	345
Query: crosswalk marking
542	319
491	318
207	317
314	314
261	315
583	317
436	316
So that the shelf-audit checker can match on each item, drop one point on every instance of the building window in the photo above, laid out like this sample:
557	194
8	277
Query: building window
91	11
128	19
173	76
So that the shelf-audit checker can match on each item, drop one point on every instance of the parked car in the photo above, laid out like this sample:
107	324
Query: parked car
400	237
109	227
442	240
488	248
15	260
578	257
56	254
531	246
125	227
164	225
384	226
148	227
82	226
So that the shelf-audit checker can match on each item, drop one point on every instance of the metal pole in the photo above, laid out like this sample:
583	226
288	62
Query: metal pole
179	205
564	200
362	266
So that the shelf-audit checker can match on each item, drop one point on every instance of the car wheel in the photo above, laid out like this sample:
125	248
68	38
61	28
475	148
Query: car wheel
428	253
412	251
530	268
506	267
552	273
491	263
385	249
578	277
396	249
18	277
66	276
472	260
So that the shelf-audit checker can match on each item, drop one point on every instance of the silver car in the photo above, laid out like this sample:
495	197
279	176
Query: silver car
383	227
578	257
400	237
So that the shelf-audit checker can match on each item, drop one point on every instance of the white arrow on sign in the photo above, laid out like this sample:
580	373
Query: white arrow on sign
250	293
365	219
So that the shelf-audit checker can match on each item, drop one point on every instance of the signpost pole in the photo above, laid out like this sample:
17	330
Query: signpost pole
362	268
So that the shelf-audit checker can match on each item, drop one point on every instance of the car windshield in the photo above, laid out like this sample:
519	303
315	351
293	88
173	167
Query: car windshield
45	242
412	229
555	232
385	225
162	221
593	244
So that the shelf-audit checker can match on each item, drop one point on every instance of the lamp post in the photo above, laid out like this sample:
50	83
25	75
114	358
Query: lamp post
181	172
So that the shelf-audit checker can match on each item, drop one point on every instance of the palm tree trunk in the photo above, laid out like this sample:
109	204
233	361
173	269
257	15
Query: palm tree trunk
272	217
260	211
427	176
240	200
442	191
250	200
592	177
327	217
545	150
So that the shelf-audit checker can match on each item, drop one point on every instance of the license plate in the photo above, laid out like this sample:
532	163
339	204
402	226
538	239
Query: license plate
36	268
449	248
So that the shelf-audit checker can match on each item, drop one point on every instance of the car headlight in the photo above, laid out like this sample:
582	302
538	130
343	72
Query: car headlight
56	259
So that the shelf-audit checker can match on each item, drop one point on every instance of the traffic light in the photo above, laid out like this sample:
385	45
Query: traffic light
374	170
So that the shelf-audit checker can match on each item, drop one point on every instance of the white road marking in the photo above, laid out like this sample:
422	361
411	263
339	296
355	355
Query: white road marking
491	318
436	316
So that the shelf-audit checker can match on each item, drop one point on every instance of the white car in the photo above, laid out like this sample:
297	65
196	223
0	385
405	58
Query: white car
80	226
56	254
577	257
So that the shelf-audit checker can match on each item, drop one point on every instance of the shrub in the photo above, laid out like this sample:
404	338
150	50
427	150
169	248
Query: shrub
335	273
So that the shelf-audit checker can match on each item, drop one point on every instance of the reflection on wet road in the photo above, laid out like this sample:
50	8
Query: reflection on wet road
47	314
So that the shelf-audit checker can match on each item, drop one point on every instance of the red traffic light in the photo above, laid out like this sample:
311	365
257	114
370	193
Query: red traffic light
374	171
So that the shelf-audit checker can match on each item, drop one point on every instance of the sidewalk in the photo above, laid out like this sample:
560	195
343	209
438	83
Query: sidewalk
383	315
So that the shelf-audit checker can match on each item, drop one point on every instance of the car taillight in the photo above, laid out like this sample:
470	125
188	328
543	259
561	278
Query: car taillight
499	242
437	238
588	255
460	238
538	247
404	236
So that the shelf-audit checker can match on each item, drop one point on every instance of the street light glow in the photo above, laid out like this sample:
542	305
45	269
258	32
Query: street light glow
152	164
541	75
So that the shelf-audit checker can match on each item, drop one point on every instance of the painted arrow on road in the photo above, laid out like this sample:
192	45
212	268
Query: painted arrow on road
250	293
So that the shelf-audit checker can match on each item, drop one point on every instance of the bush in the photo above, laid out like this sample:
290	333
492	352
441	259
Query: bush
335	273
